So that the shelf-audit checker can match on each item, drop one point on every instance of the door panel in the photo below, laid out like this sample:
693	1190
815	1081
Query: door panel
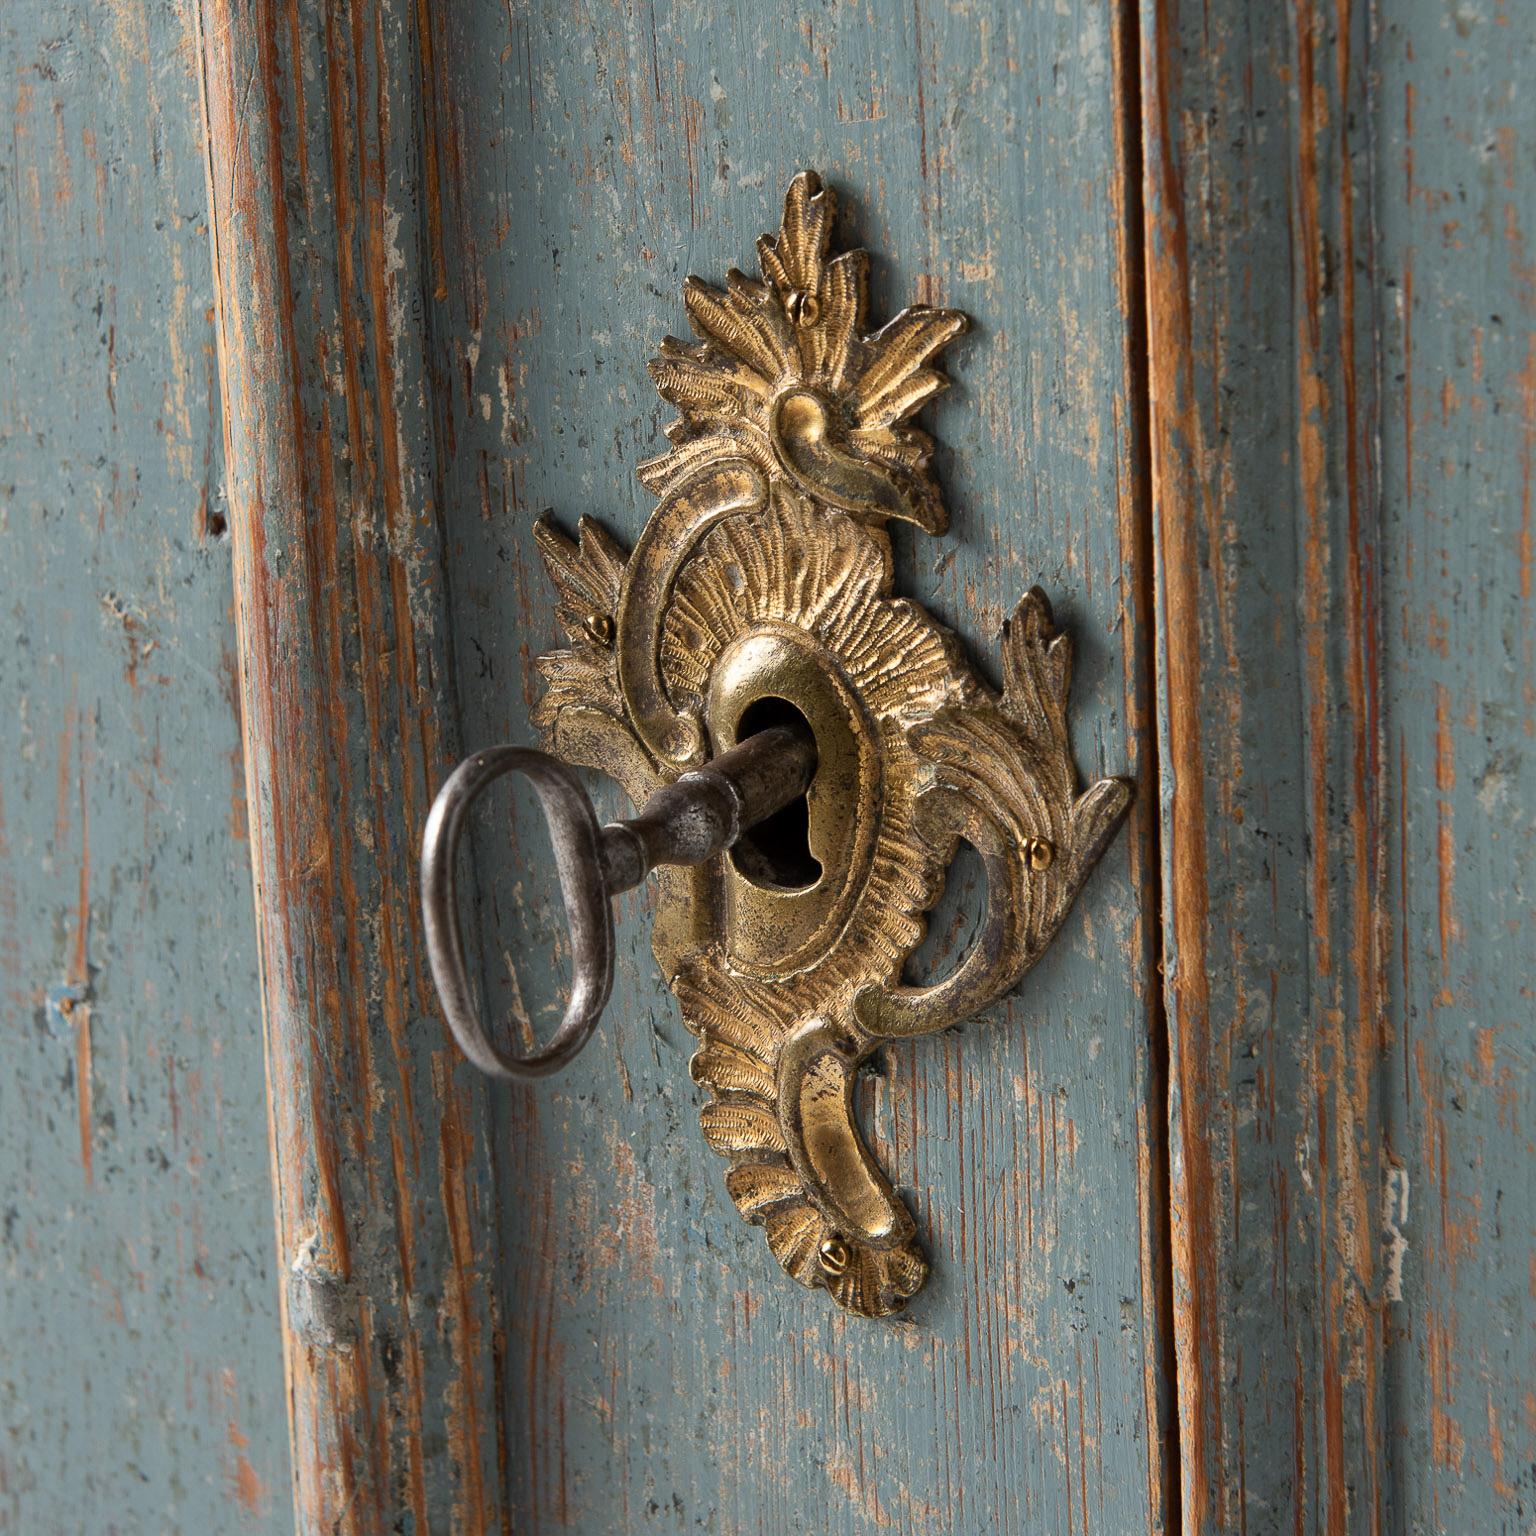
1341	344
1240	400
659	1371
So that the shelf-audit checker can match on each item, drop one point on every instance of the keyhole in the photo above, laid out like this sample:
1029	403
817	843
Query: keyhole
776	853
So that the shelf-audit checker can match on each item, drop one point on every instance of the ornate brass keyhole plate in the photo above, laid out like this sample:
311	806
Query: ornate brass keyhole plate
765	574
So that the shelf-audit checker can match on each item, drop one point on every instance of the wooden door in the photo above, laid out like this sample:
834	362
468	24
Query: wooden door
1226	1206
665	1372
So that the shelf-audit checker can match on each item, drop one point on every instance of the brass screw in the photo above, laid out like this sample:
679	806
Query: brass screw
803	308
834	1255
1039	853
599	628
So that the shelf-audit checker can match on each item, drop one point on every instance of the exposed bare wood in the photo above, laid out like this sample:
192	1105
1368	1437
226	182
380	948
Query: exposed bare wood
379	1160
1265	514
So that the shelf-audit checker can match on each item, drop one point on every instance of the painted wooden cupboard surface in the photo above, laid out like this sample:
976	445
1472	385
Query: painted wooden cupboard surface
1457	282
1230	1207
141	1372
1341	324
1265	503
661	1372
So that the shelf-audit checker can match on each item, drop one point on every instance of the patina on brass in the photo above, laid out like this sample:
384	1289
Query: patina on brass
765	574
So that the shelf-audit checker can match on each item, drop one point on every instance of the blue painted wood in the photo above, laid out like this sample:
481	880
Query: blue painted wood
1337	253
660	1371
1456	212
141	1380
1343	382
317	153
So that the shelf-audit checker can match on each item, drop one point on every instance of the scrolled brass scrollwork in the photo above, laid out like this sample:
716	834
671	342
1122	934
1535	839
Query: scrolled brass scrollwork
764	579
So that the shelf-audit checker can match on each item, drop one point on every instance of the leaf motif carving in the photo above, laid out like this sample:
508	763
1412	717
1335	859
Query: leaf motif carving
802	328
734	1127
792	447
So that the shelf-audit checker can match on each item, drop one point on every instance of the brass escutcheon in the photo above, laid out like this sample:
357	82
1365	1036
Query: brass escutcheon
763	582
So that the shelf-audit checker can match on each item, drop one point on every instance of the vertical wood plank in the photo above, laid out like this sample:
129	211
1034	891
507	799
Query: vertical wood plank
140	1367
1456	210
1261	287
314	135
661	1373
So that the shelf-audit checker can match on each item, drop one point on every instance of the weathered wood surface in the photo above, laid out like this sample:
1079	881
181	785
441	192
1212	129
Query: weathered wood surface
140	1370
1336	1040
661	1373
1260	292
1455	122
1343	417
317	166
446	241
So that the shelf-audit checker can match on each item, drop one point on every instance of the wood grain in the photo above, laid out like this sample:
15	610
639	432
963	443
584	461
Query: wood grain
1455	122
1251	391
378	1131
1261	292
661	1375
140	1368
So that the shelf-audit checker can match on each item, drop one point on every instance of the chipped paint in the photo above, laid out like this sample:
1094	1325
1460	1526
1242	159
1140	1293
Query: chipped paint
1460	711
378	1152
444	245
140	1382
588	161
1268	638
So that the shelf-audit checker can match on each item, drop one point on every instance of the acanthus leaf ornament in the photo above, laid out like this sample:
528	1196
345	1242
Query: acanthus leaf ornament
764	581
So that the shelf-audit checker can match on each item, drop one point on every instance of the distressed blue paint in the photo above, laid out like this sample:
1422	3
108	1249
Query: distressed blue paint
1456	209
661	1373
656	1369
141	1383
